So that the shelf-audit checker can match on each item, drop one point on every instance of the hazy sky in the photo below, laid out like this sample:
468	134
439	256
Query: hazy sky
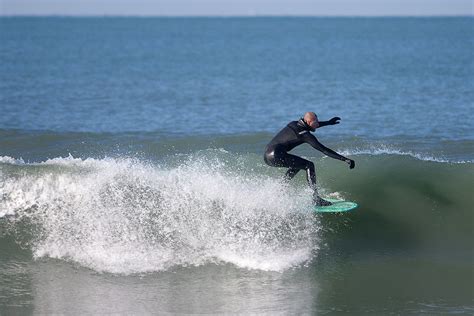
236	7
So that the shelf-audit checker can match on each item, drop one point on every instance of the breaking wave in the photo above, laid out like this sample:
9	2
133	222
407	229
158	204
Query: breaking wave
126	215
130	216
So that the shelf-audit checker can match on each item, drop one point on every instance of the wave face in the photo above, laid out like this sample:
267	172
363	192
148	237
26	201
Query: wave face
406	204
128	216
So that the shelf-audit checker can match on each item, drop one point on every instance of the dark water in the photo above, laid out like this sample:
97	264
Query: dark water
132	180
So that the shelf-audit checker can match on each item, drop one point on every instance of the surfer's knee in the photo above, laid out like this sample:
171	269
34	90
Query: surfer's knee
310	166
269	158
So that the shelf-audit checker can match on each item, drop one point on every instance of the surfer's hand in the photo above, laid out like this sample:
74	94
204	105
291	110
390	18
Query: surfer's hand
351	163
334	120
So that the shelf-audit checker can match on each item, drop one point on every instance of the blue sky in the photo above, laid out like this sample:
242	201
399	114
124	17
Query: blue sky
237	7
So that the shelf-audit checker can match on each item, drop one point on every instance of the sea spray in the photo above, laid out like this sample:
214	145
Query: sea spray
130	216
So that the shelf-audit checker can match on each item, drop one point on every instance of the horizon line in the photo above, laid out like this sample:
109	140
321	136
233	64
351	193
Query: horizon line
238	15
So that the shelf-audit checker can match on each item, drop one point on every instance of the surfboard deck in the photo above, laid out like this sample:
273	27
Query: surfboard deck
336	207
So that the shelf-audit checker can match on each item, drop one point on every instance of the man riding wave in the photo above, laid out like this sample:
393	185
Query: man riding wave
295	134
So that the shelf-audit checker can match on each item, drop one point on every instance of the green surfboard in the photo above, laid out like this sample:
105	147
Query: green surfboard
337	206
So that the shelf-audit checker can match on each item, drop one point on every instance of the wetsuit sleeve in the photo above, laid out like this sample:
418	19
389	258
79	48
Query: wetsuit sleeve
333	121
324	123
310	139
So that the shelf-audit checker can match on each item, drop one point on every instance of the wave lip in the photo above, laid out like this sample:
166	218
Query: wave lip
389	150
126	216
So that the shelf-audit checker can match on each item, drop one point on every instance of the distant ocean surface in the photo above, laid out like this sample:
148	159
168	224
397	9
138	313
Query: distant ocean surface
132	178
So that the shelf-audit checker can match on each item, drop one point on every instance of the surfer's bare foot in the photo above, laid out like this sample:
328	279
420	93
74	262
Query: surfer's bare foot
321	202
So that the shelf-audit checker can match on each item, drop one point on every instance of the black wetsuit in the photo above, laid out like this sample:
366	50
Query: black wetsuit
295	134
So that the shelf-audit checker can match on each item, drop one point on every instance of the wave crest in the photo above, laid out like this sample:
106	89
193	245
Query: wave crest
128	216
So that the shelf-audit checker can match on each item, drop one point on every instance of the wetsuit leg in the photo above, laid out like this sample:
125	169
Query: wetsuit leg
311	175
291	172
294	163
298	163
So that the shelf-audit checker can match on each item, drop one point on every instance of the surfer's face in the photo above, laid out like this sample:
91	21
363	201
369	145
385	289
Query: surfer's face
313	123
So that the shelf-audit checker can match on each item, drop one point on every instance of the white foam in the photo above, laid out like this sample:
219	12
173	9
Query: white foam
10	160
388	150
127	216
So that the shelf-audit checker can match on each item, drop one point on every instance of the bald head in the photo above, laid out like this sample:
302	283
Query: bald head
311	119
310	116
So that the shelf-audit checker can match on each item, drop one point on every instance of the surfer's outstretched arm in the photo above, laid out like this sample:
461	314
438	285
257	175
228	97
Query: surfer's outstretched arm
310	139
333	121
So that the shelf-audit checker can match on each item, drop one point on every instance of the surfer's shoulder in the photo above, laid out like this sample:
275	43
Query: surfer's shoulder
292	124
298	128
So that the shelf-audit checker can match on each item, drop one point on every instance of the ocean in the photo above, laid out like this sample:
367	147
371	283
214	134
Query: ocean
132	178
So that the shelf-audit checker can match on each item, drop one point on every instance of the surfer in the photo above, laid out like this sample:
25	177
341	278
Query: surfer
295	134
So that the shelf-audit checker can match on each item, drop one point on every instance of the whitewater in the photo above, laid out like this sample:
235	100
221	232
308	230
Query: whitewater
126	216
